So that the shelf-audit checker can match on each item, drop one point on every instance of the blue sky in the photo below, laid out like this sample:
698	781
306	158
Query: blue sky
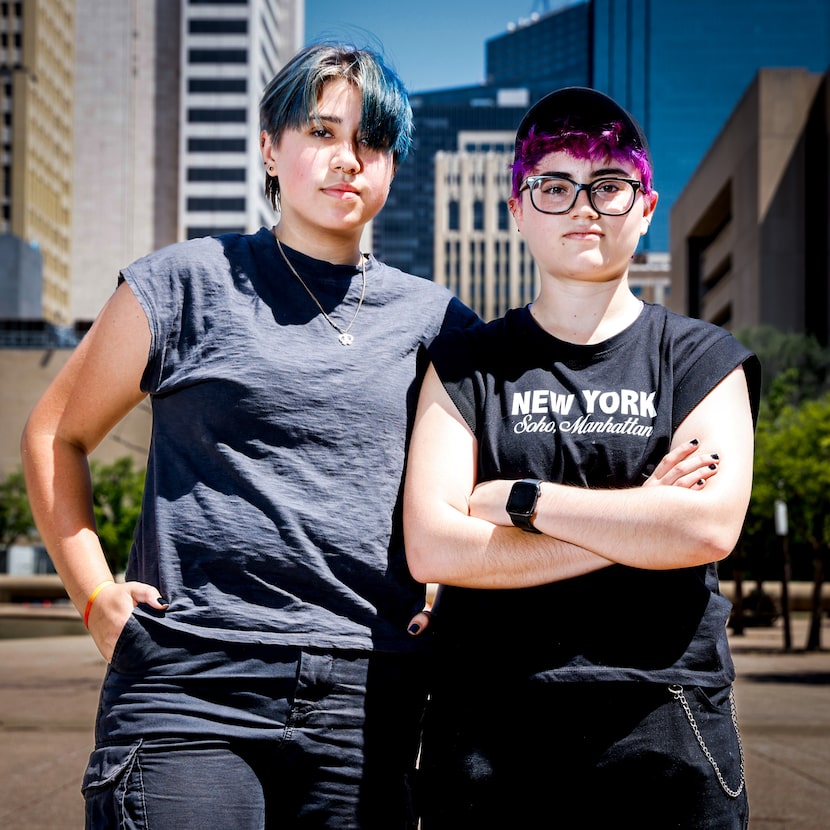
433	44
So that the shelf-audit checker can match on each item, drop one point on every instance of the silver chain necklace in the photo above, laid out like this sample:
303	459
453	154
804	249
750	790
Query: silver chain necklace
344	336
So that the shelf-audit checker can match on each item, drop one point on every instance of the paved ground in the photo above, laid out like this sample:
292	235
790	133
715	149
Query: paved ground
783	704
49	686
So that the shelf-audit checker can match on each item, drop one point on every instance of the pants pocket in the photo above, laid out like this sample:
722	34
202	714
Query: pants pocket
113	790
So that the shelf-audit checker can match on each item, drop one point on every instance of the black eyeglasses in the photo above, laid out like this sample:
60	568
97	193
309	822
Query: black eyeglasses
557	194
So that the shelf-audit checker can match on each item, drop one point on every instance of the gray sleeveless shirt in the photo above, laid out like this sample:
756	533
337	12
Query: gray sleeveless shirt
271	511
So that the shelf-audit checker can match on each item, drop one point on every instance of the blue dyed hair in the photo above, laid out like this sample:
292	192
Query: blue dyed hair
290	100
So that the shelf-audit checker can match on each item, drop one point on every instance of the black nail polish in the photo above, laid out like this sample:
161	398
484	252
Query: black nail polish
715	456
414	628
162	601
713	466
694	442
700	482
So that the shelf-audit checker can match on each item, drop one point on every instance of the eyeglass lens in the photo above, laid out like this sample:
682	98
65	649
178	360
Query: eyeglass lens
607	196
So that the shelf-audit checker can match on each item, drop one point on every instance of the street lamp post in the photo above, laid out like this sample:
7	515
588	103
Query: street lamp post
782	531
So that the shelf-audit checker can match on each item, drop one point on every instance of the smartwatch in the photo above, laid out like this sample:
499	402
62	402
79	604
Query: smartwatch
521	503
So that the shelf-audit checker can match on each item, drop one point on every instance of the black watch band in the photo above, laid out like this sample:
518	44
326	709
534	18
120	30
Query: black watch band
521	503
524	522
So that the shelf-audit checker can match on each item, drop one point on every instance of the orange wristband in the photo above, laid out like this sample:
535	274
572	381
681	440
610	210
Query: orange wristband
92	597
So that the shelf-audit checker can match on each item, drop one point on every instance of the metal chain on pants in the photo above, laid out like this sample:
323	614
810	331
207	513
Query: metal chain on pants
677	692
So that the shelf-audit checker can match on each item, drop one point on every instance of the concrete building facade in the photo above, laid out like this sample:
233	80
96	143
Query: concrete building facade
26	372
750	233
125	162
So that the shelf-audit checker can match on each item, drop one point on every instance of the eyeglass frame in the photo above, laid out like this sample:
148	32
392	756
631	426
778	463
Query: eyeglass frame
528	183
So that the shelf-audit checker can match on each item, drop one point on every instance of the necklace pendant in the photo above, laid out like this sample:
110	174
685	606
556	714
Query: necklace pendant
345	338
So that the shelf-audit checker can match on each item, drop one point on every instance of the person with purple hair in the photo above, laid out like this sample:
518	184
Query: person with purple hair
577	469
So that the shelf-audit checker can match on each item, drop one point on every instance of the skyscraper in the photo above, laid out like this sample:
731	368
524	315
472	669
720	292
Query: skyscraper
682	66
230	50
36	98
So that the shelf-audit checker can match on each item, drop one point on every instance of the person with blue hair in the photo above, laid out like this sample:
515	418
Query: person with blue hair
261	672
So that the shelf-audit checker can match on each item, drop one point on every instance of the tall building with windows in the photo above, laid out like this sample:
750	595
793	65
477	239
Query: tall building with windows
478	254
231	49
405	231
36	139
549	47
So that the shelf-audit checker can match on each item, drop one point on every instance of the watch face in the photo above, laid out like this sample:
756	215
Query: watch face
523	497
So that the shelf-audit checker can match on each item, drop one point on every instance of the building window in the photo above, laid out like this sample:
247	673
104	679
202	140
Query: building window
478	215
213	174
217	56
216	145
215	204
215	115
217	85
504	216
218	27
453	216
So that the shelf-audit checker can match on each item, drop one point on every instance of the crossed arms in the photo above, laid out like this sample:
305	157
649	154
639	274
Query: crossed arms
458	532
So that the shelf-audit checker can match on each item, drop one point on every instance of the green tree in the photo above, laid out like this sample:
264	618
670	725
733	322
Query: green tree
792	460
792	425
117	491
796	367
16	522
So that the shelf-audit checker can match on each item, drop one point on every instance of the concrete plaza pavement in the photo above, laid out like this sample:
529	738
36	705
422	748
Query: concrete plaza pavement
49	688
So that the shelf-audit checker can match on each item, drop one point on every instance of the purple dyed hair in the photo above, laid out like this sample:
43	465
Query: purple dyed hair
601	144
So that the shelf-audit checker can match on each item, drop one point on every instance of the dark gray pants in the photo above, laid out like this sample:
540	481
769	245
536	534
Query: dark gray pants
200	735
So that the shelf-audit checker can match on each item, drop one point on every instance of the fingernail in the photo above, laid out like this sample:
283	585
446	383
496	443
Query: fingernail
414	628
162	601
713	466
694	442
700	482
715	456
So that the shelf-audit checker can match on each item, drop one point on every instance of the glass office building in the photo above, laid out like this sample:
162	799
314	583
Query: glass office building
682	66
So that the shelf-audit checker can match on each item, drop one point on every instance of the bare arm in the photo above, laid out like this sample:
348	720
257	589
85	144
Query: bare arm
444	543
95	389
475	545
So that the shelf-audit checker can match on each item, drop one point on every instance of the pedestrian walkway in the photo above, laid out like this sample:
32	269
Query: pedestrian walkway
783	702
49	688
